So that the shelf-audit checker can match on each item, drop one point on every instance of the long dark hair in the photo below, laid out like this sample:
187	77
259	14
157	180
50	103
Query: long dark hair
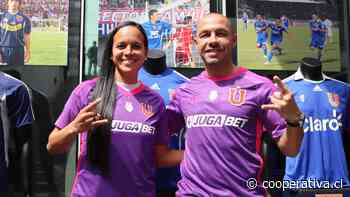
99	138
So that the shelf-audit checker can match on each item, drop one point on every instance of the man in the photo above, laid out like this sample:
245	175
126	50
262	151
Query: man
157	31
261	26
276	39
318	34
245	19
329	26
183	37
225	109
92	55
15	29
285	21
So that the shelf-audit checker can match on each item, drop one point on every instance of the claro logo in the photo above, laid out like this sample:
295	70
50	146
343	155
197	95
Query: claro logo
328	124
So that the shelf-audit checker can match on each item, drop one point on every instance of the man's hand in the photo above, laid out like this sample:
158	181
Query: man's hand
283	102
26	56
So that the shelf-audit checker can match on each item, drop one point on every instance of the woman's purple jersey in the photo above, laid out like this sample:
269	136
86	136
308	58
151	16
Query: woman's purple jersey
224	123
137	126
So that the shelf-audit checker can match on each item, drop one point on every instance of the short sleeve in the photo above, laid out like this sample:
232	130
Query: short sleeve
20	107
162	136
272	121
174	113
27	26
70	110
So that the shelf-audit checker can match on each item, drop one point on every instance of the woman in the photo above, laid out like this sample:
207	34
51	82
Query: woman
123	130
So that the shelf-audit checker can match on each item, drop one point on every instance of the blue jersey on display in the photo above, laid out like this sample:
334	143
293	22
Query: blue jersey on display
326	106
12	29
165	84
156	33
16	111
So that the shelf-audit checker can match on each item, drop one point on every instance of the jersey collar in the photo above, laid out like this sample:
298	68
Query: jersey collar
133	91
238	71
299	76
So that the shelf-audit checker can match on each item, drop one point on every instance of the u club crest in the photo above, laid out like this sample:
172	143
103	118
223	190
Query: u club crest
333	99
237	96
147	109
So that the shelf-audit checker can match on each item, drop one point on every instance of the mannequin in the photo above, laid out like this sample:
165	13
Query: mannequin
16	117
156	62
325	103
311	69
164	80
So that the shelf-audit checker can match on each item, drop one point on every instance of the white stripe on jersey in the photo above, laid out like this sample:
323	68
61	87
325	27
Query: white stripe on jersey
28	90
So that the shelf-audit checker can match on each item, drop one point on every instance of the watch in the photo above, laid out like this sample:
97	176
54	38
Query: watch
299	122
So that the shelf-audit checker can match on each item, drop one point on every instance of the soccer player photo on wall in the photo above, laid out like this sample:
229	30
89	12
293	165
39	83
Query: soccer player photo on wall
281	32
33	32
170	25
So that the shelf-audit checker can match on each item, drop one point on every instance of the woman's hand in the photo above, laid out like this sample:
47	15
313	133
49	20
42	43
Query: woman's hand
87	118
61	139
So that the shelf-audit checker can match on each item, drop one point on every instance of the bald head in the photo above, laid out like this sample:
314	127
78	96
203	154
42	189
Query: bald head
215	18
215	39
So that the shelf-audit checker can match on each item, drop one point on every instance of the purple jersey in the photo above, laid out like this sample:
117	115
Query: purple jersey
137	126
224	123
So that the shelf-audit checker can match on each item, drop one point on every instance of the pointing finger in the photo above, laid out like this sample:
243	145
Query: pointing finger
277	94
91	106
269	107
280	84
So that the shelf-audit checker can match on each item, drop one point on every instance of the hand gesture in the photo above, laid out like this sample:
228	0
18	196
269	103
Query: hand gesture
283	102
87	118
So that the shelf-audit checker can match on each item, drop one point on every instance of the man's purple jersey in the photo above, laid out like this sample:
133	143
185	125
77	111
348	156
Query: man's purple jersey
137	126
224	123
